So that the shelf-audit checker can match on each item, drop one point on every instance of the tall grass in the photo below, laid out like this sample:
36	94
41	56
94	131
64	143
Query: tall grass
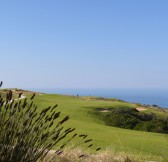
103	156
27	135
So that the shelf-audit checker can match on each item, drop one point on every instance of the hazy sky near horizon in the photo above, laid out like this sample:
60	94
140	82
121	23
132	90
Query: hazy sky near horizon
84	43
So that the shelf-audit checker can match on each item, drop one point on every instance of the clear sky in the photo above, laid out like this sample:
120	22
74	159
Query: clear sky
84	43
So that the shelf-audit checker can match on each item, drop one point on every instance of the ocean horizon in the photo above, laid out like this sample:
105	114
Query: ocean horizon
144	96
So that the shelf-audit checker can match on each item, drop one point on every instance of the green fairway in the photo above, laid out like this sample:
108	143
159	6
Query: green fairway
80	110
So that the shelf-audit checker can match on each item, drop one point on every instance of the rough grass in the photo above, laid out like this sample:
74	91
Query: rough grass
103	156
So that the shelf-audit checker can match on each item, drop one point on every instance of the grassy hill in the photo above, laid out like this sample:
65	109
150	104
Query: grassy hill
81	111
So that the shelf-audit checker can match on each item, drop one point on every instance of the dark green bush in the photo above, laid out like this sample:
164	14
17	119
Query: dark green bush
121	120
158	126
130	118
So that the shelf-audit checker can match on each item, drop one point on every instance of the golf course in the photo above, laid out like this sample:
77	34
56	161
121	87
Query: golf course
82	110
85	116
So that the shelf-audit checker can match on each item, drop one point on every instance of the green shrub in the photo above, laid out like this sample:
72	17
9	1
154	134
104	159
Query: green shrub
130	118
158	126
121	120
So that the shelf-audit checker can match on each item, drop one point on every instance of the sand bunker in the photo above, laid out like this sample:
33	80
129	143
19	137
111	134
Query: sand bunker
141	108
102	109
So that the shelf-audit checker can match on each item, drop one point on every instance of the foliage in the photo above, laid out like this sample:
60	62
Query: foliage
133	119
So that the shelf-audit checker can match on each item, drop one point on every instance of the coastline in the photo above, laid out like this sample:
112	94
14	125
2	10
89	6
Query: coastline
155	97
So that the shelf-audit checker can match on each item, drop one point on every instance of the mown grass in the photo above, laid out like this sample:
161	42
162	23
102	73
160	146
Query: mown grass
81	115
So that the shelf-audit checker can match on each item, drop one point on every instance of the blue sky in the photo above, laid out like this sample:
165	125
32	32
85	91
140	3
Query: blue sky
84	43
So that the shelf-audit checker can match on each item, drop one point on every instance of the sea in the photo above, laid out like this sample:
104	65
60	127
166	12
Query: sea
157	97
